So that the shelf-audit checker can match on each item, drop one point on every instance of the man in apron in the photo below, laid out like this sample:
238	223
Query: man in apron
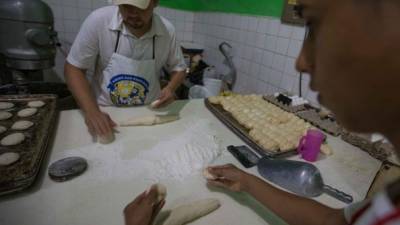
128	46
352	53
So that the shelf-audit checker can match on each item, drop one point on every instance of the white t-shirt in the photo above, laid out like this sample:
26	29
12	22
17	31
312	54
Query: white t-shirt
378	211
96	41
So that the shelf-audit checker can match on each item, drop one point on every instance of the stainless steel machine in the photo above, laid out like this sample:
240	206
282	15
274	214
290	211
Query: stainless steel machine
27	41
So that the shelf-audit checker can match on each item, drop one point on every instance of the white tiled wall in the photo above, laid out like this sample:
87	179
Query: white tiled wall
265	49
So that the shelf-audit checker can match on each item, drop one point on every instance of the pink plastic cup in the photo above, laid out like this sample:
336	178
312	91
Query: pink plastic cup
310	145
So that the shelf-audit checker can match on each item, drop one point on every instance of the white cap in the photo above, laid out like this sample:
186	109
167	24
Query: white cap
142	4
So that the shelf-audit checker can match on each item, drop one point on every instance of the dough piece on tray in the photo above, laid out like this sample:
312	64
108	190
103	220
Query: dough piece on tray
2	129
148	120
6	105
36	104
13	139
27	112
9	158
5	115
22	125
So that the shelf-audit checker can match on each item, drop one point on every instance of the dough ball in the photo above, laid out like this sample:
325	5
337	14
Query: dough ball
27	112
5	115
161	192
2	129
326	149
208	175
13	139
6	105
36	104
8	158
215	100
22	125
107	139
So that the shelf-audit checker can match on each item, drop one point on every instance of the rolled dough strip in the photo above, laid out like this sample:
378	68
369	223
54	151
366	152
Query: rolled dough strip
6	105
148	120
27	112
8	158
22	125
36	104
189	212
5	115
13	139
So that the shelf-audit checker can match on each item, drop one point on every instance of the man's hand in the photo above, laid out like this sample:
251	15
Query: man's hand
230	177
167	96
99	123
144	209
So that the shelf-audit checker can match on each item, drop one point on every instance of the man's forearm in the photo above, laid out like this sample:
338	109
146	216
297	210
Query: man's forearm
80	88
177	79
293	209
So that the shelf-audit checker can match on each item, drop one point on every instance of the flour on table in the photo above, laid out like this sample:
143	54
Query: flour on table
185	155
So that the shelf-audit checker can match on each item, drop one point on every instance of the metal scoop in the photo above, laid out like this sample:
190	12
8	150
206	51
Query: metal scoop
298	177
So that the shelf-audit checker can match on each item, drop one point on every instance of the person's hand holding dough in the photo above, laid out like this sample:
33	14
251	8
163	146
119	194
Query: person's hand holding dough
144	209
229	177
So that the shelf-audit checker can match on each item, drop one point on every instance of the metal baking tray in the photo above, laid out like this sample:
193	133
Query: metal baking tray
328	125
242	132
22	174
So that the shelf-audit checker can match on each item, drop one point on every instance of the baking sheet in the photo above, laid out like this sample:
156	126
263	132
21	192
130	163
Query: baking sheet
328	125
242	132
22	174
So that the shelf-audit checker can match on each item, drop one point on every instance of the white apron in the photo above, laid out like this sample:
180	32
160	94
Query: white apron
128	82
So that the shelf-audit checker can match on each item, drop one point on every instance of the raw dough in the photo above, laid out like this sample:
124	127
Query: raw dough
2	129
107	139
161	191
22	125
155	103
6	105
190	212
208	175
8	158
148	120
27	112
13	139
5	115
36	104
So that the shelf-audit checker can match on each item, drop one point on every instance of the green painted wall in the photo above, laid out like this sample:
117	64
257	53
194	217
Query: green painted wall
247	7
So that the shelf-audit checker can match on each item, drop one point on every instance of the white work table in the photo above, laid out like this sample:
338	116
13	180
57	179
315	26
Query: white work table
100	194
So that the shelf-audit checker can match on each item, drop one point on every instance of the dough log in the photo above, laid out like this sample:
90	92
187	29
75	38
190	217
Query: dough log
148	120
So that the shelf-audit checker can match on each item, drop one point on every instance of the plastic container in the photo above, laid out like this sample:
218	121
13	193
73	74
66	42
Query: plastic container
198	91
213	85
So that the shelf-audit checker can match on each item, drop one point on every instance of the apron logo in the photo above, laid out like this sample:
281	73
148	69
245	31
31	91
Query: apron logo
126	90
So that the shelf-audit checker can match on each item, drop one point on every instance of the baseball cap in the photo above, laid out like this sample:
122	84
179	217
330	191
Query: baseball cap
142	4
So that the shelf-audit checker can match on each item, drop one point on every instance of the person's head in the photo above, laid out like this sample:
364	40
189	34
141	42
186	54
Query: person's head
137	14
352	53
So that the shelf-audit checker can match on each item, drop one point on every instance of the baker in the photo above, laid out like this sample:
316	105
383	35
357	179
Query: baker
126	46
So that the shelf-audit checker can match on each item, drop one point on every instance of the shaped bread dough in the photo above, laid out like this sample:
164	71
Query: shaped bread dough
208	175
13	139
6	105
148	120
190	212
27	112
107	139
8	158
5	115
22	125
2	129
36	104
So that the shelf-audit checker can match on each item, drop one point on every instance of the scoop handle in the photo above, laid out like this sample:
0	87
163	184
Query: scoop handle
338	194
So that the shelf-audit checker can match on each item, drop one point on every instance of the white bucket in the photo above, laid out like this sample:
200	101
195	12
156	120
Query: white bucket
213	85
